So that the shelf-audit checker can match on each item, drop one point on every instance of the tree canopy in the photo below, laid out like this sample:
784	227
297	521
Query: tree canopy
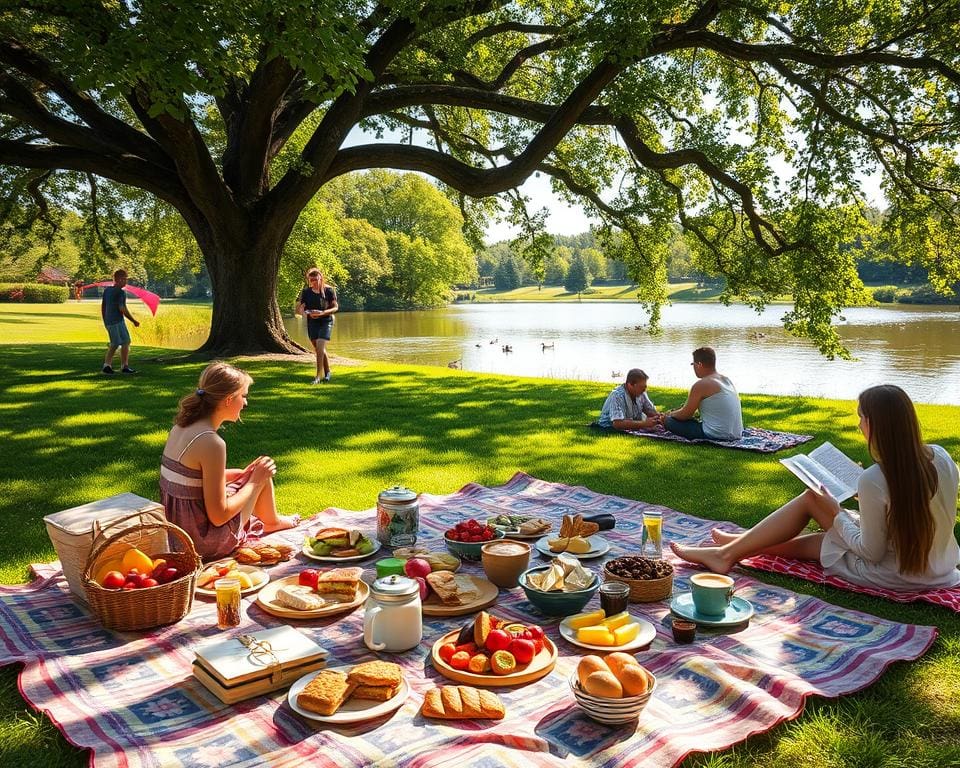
749	123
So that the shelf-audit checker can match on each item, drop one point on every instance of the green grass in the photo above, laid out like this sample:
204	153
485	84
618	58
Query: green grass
680	292
69	435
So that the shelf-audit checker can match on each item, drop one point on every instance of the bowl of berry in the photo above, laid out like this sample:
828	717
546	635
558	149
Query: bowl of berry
467	537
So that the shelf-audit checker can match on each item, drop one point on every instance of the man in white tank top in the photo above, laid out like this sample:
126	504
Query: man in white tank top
715	397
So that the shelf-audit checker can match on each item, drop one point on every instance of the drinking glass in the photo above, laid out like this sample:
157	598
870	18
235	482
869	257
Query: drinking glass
651	544
228	603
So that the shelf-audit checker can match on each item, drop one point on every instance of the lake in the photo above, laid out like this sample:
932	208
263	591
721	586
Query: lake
916	348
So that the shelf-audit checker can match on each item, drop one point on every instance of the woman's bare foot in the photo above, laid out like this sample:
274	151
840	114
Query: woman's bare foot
723	537
282	523
712	557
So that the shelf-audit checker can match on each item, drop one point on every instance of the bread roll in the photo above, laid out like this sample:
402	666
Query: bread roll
617	661
604	685
634	679
588	665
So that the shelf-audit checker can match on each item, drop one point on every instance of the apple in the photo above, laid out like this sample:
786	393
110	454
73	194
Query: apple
167	575
149	582
416	566
308	578
497	640
113	580
523	650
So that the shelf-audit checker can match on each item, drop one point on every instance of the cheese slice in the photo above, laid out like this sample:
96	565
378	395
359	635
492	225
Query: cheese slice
299	598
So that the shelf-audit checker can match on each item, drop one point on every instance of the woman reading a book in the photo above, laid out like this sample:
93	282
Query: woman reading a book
902	538
218	507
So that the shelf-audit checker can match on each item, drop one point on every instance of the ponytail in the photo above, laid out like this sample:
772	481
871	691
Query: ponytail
218	381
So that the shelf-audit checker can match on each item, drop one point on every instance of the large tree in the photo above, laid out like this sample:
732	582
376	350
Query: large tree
746	120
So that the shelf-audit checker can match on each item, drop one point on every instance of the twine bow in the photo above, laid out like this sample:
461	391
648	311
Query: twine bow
262	652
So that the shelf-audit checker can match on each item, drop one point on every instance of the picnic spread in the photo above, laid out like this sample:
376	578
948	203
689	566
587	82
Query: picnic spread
753	438
508	676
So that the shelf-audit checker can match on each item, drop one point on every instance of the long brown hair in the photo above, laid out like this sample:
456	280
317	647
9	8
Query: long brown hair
907	465
218	381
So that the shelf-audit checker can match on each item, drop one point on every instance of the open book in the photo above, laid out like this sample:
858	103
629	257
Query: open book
829	467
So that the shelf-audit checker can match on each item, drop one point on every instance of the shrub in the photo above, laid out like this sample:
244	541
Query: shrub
34	293
925	294
885	295
464	296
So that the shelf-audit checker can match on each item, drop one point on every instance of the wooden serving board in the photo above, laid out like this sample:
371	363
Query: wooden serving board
267	599
487	594
541	665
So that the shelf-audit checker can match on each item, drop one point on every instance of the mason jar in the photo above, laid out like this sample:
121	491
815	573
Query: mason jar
398	517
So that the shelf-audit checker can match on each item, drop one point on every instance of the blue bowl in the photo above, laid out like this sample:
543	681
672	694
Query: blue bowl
470	550
557	603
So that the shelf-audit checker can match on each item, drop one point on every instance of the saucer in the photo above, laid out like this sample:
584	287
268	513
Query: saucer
737	612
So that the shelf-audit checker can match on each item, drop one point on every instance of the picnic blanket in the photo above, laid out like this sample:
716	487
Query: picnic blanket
753	439
130	697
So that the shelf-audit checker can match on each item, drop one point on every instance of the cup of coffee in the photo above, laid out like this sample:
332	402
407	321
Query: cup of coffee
503	561
712	593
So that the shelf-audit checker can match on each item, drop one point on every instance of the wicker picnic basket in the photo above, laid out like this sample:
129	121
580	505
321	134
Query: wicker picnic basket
151	606
644	590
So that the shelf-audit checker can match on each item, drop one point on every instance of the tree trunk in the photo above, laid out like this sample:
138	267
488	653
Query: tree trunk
246	316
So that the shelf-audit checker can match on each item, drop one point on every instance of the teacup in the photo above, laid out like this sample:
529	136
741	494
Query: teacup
503	561
712	593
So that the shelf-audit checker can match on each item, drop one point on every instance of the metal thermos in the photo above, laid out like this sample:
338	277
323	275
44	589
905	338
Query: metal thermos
398	517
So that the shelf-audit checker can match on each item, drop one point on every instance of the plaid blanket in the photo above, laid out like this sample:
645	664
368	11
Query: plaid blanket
753	439
130	697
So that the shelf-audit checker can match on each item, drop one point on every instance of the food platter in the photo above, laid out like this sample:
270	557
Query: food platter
598	547
486	595
644	638
352	710
258	576
330	559
514	533
267	600
541	665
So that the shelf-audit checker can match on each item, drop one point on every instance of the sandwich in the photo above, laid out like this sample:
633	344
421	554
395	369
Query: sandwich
376	680
340	581
326	692
452	589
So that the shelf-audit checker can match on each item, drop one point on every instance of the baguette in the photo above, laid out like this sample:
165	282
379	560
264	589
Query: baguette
461	702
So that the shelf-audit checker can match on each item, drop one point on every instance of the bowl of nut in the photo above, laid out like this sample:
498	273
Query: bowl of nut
649	580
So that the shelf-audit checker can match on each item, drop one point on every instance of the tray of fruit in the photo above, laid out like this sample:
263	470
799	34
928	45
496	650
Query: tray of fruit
494	652
599	632
250	577
339	544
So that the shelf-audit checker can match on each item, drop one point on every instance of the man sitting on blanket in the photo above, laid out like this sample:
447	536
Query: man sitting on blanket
716	398
628	406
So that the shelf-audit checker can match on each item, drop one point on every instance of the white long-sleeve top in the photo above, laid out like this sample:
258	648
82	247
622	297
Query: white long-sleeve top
858	547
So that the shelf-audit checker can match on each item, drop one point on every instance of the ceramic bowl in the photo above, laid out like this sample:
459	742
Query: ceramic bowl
612	711
470	550
557	603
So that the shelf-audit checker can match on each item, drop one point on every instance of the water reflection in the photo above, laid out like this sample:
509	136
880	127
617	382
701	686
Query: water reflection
918	348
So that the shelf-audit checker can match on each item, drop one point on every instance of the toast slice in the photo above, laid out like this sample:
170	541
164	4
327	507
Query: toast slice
326	692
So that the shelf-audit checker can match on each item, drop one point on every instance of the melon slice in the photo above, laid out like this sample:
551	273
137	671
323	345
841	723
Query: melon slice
586	619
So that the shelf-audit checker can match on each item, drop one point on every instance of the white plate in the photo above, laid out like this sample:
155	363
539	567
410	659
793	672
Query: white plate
258	576
645	637
598	547
352	710
329	559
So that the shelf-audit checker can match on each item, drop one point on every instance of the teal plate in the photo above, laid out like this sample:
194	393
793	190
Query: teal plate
737	612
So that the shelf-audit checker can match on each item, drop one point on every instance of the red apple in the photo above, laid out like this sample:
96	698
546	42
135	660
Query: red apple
424	587
523	650
149	582
416	566
167	575
497	640
113	580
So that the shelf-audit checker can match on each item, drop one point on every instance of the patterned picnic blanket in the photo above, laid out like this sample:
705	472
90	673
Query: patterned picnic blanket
130	697
753	439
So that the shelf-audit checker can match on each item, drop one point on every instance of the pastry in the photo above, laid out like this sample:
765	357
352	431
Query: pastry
377	673
452	589
326	692
456	702
247	556
375	692
340	581
535	526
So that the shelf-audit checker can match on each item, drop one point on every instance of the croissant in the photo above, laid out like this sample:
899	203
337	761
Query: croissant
461	702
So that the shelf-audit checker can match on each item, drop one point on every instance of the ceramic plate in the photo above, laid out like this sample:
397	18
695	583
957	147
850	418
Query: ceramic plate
352	710
487	593
738	611
267	599
541	665
258	576
598	547
515	534
309	553
645	636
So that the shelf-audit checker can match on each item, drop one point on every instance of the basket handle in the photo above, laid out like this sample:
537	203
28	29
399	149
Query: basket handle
102	541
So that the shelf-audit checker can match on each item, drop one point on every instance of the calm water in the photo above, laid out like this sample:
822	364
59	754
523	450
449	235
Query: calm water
919	349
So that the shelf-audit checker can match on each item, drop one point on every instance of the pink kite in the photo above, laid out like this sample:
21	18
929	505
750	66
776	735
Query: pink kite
147	297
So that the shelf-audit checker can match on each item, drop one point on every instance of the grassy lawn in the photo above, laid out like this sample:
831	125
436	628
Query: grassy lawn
682	292
69	435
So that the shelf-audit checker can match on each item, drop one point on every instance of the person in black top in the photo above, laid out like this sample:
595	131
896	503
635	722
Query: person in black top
318	301
113	308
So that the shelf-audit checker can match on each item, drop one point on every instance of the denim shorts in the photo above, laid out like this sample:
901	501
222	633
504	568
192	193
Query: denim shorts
119	335
319	329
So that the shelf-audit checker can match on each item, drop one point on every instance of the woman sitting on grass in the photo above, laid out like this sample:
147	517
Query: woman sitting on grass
216	506
902	538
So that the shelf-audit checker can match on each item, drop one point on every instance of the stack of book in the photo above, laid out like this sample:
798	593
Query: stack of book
248	665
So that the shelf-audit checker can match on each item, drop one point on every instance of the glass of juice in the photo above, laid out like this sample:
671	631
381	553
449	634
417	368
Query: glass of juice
614	596
652	541
228	603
